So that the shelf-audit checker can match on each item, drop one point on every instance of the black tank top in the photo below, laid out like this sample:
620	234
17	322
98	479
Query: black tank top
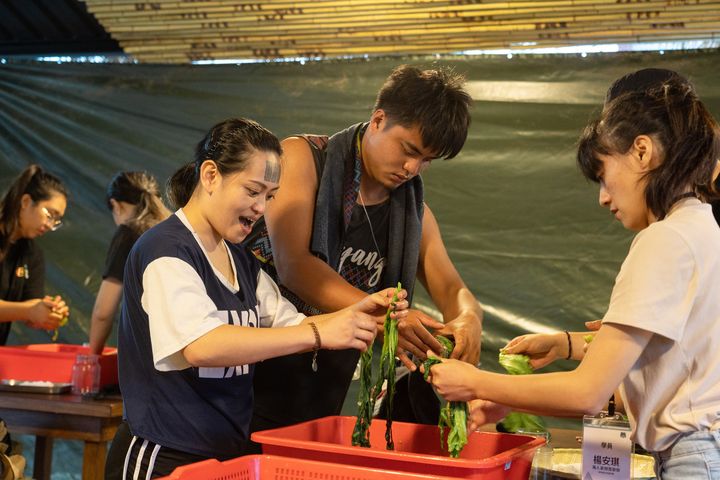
362	260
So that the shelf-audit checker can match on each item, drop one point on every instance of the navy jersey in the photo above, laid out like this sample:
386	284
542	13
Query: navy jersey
173	296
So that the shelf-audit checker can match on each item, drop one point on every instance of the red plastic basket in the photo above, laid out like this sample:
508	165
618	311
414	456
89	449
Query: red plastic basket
497	456
52	362
267	467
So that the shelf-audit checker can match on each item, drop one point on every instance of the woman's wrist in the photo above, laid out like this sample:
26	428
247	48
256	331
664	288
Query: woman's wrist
478	384
28	310
560	343
317	344
568	346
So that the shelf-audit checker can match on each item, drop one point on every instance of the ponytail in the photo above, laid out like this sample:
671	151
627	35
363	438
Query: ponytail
181	185
141	190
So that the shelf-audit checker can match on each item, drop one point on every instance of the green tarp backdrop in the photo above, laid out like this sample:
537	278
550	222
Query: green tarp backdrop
522	226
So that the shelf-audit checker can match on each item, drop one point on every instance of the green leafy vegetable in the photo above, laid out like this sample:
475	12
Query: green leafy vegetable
387	369
453	415
368	393
361	432
516	364
588	338
447	344
62	323
427	364
521	422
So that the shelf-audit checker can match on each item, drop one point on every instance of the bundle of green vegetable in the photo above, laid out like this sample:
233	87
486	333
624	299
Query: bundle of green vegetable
368	394
515	421
453	415
361	432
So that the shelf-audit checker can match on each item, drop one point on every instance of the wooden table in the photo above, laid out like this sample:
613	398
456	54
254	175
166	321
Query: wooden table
63	416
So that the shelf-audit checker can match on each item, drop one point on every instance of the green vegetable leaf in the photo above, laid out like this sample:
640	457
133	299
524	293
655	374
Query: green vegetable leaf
453	415
447	344
429	363
521	422
517	364
369	390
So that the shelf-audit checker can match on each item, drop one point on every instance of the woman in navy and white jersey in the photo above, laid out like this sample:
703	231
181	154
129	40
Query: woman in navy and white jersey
195	304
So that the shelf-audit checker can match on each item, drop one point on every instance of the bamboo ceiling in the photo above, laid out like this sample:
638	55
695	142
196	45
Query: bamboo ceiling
181	31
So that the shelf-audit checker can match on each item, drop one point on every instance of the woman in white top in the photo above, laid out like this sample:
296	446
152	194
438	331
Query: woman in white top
653	153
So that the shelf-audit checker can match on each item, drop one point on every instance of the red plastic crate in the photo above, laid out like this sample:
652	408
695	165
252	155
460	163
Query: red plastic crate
497	456
268	467
52	362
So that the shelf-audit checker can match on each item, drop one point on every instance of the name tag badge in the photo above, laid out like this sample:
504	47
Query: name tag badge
22	272
606	447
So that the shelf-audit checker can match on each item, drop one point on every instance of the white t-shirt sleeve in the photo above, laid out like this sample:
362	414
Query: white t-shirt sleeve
275	310
179	310
655	288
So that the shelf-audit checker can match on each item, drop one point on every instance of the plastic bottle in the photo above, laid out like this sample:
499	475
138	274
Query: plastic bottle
542	461
86	375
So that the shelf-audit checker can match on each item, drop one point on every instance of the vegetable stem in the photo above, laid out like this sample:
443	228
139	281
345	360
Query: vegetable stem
368	393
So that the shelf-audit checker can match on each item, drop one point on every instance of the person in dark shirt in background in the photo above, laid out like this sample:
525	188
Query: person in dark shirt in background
33	205
136	205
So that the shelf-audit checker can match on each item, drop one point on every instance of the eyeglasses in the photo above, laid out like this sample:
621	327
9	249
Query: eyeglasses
53	221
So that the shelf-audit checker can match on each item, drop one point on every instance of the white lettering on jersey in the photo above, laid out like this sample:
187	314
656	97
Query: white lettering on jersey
247	318
371	261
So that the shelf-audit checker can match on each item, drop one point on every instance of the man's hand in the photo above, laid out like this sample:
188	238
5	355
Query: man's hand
466	330
414	337
482	412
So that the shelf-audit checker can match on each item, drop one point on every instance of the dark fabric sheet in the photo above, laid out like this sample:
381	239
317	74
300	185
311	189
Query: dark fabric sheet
522	226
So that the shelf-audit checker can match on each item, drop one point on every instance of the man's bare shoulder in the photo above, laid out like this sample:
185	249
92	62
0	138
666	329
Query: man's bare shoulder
296	148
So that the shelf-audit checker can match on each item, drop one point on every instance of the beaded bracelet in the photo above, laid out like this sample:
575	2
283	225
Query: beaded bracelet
317	346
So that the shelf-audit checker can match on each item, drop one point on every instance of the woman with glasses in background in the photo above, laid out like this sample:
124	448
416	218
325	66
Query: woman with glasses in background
33	205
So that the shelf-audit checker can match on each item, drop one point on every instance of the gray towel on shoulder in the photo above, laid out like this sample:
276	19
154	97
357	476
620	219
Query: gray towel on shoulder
406	211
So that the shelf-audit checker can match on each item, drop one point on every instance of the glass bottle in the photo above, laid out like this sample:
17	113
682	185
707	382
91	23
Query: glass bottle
86	375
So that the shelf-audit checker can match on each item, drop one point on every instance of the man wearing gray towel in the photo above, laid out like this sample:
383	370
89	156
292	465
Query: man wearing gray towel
348	220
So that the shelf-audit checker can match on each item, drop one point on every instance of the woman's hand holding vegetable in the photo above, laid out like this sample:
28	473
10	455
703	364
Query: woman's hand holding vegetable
59	307
545	348
355	326
454	379
542	348
593	326
46	313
